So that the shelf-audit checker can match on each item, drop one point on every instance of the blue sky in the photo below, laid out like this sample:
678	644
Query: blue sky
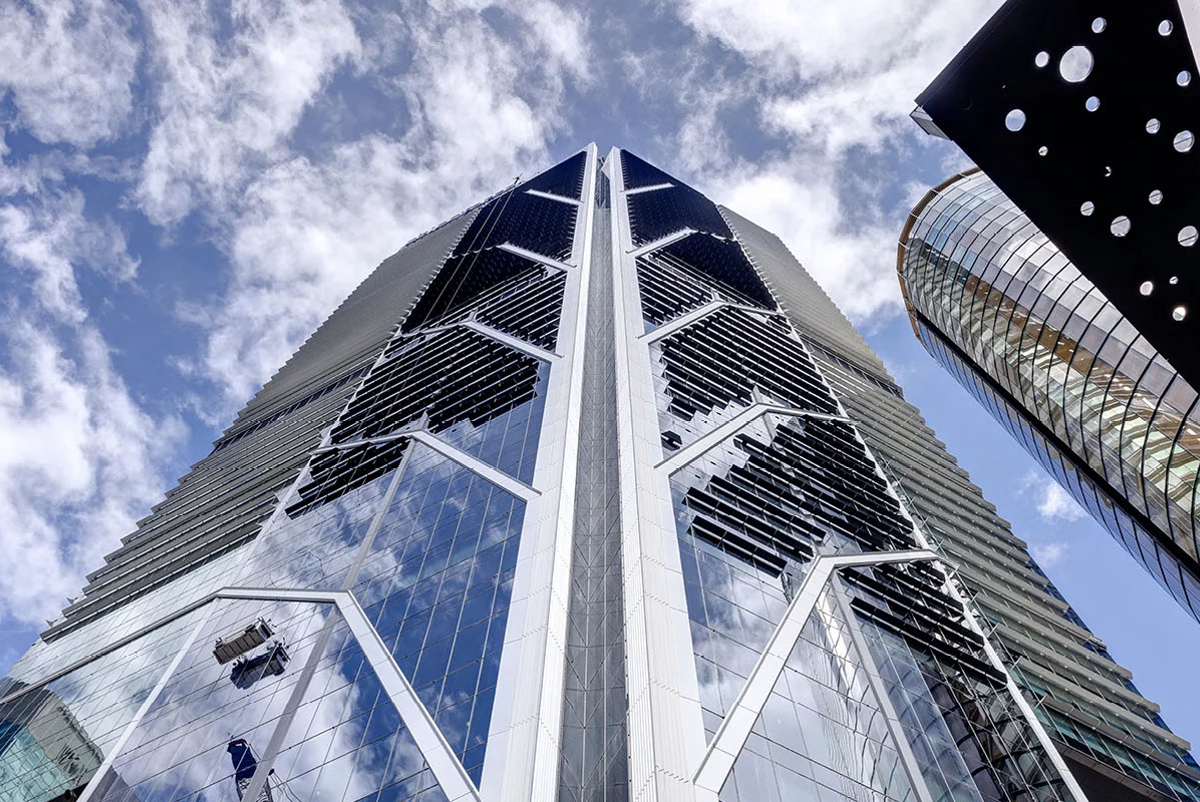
187	189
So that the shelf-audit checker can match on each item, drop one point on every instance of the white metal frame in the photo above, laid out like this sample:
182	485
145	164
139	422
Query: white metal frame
476	466
718	760
420	434
651	188
710	440
512	342
537	193
627	241
524	738
533	256
491	333
701	312
665	722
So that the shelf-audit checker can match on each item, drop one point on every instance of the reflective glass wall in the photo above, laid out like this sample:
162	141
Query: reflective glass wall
996	302
867	682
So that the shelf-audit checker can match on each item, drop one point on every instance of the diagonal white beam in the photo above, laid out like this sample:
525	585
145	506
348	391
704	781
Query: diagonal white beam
98	776
662	242
718	761
699	447
420	434
491	333
512	342
891	719
398	434
650	188
533	256
497	477
445	765
537	193
699	313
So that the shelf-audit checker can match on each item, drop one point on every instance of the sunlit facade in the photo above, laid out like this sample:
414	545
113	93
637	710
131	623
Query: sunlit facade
996	303
560	504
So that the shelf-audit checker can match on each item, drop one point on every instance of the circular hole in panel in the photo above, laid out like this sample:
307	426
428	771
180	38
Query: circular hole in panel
1152	125
1146	288
1076	64
1041	59
1173	280
1014	120
1156	197
1183	78
1188	236
1087	208
1120	226
1179	313
1184	141
1165	27
1043	150
1098	25
1092	103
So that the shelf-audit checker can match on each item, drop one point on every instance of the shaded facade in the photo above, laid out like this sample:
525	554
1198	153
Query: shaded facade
573	498
998	305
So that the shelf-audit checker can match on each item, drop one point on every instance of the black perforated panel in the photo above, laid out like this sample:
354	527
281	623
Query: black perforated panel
536	224
641	173
564	178
1114	157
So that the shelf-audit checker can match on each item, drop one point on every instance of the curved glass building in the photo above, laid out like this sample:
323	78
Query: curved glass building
1001	308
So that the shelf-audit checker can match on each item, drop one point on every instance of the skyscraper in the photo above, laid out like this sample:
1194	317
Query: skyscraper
1085	114
1114	740
562	503
1001	308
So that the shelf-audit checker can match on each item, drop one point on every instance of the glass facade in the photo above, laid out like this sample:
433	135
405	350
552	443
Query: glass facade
1061	666
387	472
1037	343
768	479
562	503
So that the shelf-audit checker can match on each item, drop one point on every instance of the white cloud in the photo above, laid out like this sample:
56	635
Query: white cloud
1057	505
307	234
307	230
1054	504
51	238
841	73
559	32
225	102
829	84
1048	555
69	66
851	253
77	457
80	460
